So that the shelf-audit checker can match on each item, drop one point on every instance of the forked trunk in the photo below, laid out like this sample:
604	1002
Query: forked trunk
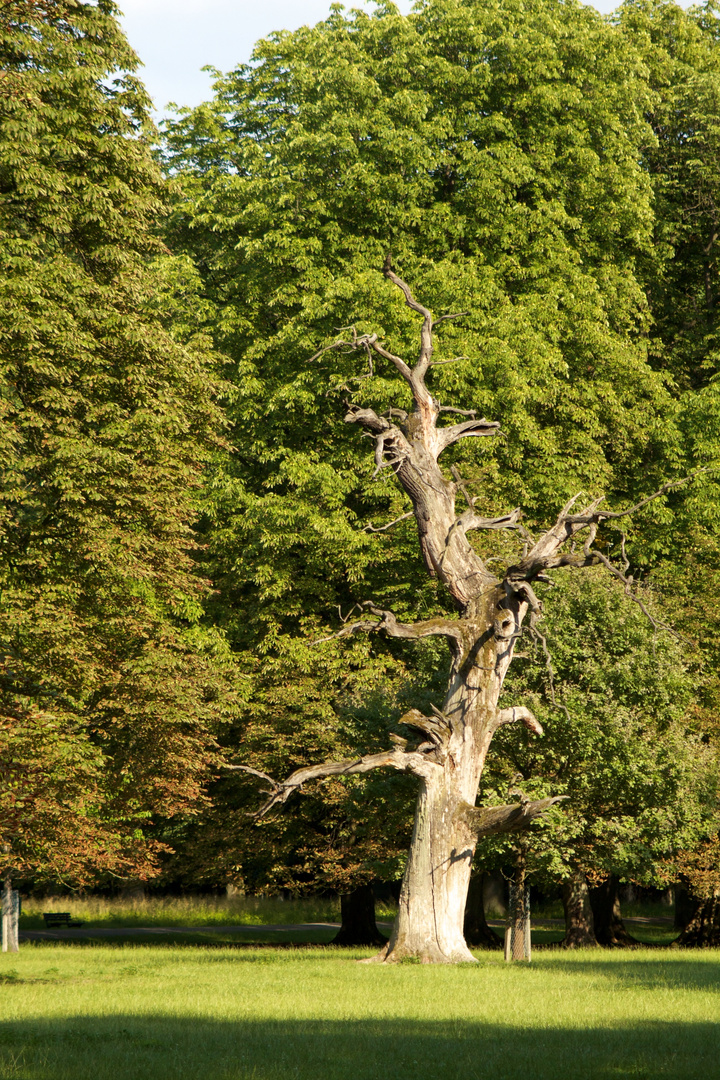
431	914
579	923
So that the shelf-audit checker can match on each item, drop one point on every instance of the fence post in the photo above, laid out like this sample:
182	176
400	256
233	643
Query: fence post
10	917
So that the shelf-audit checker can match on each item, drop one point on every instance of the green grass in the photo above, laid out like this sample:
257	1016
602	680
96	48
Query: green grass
139	1013
189	911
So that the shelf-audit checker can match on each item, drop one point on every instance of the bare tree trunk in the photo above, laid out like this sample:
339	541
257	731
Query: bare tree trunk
357	913
579	925
476	930
703	930
450	757
431	910
609	927
10	917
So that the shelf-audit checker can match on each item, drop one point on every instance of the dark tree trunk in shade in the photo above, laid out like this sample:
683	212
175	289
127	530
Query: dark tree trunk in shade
579	923
476	930
686	906
609	927
357	912
703	929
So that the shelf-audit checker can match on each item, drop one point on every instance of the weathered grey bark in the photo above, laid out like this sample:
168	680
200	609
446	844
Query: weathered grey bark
703	929
10	917
517	937
475	928
579	923
357	913
450	755
610	930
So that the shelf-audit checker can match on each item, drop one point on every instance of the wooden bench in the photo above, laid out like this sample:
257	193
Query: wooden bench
59	918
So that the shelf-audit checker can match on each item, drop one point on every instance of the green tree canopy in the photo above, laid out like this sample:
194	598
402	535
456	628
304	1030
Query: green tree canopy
497	150
621	737
109	688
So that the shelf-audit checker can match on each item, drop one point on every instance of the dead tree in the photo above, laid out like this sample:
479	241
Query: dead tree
449	757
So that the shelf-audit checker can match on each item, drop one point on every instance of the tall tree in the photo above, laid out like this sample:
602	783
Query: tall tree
496	149
450	756
681	50
109	687
621	742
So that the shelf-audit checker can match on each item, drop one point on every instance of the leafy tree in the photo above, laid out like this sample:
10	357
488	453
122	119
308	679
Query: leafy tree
496	150
621	742
110	688
681	50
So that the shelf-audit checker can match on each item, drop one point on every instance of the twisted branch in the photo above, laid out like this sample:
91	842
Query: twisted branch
280	791
388	623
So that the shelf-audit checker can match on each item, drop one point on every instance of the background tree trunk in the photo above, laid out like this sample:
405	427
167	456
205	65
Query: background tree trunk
476	930
686	907
703	930
609	927
579	923
357	913
517	939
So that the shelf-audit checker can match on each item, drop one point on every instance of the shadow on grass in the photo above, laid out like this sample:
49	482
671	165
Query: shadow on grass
687	970
127	1047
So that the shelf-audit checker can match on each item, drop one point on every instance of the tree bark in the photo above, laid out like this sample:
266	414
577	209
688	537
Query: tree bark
450	757
686	907
703	930
610	929
517	938
476	930
579	924
357	913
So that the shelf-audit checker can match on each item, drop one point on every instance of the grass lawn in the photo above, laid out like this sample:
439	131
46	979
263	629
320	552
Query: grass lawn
188	910
129	1012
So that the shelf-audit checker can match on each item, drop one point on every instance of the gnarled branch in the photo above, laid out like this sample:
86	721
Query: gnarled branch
398	758
544	554
388	623
492	820
446	436
518	712
384	528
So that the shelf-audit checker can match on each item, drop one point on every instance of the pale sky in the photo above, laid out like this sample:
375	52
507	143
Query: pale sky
176	38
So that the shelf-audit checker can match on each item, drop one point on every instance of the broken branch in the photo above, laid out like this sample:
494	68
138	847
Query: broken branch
491	820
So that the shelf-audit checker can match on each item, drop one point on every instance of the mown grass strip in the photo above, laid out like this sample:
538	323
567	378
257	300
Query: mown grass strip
132	1012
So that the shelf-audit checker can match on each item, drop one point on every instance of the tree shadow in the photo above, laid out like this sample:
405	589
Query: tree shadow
675	970
133	1047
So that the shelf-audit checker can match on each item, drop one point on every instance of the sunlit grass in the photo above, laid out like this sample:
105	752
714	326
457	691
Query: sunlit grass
134	1012
189	910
